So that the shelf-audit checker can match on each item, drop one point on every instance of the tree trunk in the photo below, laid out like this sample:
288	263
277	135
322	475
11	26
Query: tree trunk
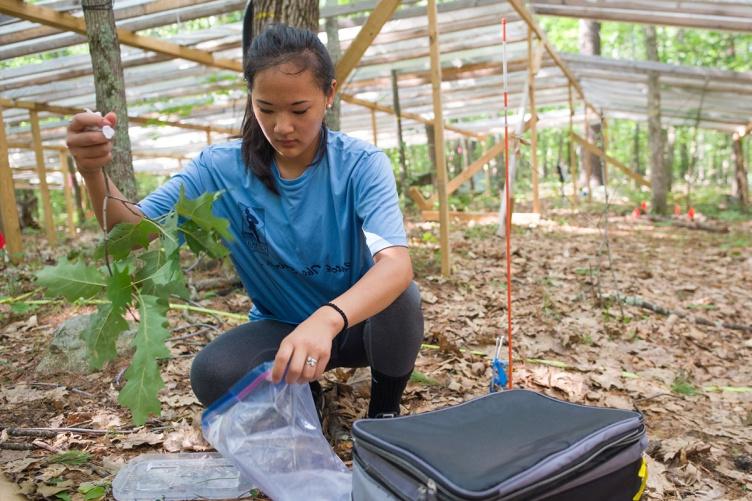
109	85
559	164
669	156
590	45
658	177
430	144
77	197
298	13
683	159
400	141
332	45
28	207
636	163
740	188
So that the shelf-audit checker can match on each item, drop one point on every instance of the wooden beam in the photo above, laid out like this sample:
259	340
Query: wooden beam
135	18
474	167
433	37
689	15
67	22
8	208
146	121
49	224
465	217
68	192
453	185
597	151
534	121
412	116
57	147
363	39
527	16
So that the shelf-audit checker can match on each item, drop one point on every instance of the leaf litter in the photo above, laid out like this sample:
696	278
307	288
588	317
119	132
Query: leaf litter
570	342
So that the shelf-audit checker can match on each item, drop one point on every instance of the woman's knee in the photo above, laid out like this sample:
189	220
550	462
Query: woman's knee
394	336
229	357
208	379
409	312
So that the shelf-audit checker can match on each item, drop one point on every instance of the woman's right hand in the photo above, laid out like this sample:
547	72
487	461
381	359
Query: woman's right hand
86	142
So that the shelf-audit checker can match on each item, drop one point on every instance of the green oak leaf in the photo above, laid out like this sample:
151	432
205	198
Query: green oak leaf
102	332
125	237
161	275
119	286
199	210
71	280
170	238
200	240
143	376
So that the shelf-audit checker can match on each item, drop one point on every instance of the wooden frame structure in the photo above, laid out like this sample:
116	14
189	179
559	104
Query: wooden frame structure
376	37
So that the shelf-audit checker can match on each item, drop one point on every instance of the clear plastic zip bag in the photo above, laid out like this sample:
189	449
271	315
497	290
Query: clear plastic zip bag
272	434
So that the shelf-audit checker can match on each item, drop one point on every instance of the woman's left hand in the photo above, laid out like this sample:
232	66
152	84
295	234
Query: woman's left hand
305	352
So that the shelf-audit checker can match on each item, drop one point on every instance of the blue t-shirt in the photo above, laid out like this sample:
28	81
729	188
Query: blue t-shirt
302	248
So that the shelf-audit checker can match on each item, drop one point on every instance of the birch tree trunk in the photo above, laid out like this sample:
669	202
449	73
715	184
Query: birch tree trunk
658	177
109	85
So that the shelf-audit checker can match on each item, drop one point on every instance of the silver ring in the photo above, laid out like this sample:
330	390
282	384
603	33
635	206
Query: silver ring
311	362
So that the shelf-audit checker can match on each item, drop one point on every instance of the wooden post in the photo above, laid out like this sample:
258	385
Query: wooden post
572	155
533	123
49	224
438	117
374	129
208	136
585	157
8	207
68	191
398	113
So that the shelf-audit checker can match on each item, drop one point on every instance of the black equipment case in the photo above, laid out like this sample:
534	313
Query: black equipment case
512	445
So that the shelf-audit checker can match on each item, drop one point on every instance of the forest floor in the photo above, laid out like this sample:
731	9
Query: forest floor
691	381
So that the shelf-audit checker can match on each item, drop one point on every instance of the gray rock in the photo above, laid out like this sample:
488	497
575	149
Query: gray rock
67	351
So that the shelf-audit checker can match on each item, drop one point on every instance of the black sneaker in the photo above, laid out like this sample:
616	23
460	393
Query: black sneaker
386	415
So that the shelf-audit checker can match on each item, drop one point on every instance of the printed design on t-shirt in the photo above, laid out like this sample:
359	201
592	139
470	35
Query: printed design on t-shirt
254	229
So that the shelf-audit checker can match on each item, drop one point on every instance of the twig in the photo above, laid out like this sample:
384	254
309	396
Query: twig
119	376
18	298
190	326
695	225
638	301
20	432
208	311
54	431
188	336
45	446
656	396
69	388
17	446
173	306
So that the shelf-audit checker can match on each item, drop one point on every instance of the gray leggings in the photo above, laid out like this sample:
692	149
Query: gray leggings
387	342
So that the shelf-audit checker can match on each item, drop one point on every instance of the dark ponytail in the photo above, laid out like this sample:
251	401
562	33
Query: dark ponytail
278	44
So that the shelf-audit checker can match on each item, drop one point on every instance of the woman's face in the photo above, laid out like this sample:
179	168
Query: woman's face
290	106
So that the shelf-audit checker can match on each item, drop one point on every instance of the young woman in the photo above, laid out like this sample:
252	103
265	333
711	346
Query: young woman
319	242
